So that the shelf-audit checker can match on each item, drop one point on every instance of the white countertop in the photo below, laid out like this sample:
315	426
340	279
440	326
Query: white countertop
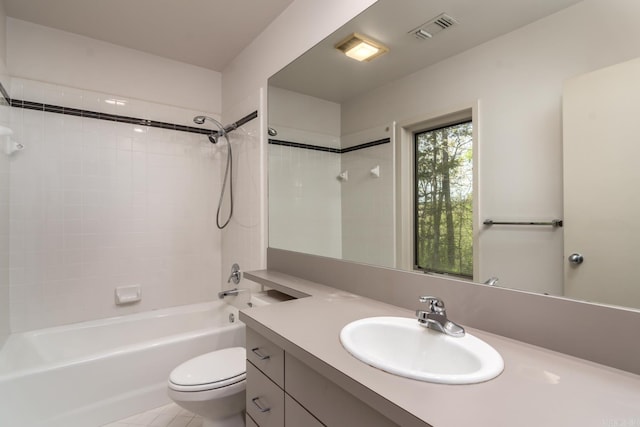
538	387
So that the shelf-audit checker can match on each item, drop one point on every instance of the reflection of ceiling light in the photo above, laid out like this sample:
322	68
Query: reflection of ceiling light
139	130
361	48
120	102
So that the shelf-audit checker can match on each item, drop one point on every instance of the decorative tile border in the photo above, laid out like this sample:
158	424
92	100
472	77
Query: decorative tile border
50	108
304	146
329	149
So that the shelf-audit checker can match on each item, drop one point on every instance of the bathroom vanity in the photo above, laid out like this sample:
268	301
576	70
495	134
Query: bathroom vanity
282	390
298	374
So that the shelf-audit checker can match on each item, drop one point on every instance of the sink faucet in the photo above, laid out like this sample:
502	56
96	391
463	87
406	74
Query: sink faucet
435	317
491	281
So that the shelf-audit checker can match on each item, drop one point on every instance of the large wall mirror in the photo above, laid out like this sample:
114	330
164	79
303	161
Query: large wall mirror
491	141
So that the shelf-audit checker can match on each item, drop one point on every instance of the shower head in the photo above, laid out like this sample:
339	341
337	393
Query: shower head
199	120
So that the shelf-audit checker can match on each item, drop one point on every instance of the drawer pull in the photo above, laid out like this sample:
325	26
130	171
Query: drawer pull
261	356
261	408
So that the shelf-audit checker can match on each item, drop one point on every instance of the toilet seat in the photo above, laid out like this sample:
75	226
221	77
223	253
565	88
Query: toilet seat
210	371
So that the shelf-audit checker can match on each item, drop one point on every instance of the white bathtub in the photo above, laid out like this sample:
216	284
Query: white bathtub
91	373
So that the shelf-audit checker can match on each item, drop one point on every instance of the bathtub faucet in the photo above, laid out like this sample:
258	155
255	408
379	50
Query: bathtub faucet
228	292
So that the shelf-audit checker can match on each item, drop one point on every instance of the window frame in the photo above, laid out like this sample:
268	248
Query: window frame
414	162
403	131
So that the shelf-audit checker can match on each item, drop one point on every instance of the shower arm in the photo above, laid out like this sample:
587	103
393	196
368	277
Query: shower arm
222	130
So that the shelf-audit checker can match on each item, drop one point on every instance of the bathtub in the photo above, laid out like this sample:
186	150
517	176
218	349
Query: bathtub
91	373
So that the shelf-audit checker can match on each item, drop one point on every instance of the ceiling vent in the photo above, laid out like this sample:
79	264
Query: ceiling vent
434	26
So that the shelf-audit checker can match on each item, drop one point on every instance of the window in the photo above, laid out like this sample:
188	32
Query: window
443	199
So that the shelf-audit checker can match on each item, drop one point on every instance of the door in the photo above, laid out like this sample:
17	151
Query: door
601	113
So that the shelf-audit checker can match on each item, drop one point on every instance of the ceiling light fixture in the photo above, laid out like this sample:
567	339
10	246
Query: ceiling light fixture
361	48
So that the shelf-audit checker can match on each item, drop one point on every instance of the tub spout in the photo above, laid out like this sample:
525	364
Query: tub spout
228	292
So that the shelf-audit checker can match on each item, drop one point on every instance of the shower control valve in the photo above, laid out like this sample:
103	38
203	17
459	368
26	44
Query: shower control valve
236	274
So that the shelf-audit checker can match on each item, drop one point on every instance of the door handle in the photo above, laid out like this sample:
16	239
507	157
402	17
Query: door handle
576	259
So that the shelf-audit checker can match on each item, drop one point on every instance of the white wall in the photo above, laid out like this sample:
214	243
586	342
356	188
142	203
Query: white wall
244	83
303	24
4	196
517	79
303	118
97	204
45	54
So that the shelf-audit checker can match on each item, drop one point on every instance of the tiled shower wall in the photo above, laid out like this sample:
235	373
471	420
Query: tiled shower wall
98	204
304	201
304	190
244	239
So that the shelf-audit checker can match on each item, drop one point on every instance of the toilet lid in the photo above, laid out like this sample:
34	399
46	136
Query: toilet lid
210	371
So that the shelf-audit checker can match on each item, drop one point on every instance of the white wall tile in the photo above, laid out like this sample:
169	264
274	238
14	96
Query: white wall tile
98	205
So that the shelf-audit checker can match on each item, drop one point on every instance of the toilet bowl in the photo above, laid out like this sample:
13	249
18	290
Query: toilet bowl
213	386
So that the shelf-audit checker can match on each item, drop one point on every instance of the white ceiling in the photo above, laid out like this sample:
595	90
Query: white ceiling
323	72
206	33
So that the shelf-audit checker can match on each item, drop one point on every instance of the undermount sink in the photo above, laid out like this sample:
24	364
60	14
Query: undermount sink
403	347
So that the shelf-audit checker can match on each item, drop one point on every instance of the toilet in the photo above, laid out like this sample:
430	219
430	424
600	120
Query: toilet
213	386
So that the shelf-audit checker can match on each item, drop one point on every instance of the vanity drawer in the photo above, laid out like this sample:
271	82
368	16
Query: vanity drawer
250	422
296	416
265	400
266	356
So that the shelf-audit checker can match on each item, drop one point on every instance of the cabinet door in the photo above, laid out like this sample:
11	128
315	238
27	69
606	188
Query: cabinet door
266	356
296	416
265	400
250	422
330	404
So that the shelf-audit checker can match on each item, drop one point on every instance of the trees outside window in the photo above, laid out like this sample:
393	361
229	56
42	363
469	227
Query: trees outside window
443	233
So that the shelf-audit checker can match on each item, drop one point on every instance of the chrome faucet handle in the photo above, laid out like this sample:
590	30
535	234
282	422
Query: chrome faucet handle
435	317
436	305
236	274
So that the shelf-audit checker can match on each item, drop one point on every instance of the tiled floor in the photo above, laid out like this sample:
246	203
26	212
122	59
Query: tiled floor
170	415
